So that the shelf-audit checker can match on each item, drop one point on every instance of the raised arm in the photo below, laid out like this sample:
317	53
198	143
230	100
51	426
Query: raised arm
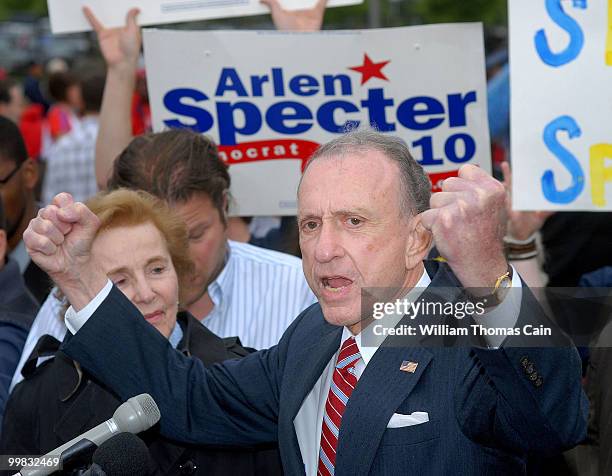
520	236
231	404
59	241
120	48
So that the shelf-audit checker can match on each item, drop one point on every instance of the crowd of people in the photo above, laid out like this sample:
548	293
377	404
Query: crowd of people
122	273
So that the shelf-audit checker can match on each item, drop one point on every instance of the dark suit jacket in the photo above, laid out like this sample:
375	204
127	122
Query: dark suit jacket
57	402
486	412
599	388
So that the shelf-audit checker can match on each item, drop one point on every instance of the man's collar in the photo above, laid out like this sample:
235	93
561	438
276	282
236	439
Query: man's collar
219	290
21	256
367	352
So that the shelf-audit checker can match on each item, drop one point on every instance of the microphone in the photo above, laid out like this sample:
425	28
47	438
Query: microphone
123	455
139	413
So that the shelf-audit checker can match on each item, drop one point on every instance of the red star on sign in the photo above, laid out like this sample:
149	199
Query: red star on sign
369	69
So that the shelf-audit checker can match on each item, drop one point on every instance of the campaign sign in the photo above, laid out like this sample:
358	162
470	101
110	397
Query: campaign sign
270	98
66	16
561	77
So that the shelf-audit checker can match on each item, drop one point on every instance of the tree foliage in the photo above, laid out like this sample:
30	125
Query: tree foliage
8	8
490	12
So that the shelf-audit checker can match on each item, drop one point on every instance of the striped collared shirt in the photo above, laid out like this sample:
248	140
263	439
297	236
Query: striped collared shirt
257	295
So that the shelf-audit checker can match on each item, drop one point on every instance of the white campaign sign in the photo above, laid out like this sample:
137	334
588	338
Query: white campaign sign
66	16
561	78
270	98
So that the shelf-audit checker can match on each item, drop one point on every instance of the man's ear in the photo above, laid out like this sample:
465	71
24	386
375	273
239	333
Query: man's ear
418	243
30	173
224	211
3	246
226	201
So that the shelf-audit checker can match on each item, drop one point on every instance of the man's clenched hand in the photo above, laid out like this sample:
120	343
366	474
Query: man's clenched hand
467	220
59	241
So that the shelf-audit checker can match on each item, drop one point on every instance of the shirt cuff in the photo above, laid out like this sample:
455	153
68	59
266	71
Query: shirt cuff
75	320
505	315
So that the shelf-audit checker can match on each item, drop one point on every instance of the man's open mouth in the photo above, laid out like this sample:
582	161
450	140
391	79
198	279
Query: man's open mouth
335	283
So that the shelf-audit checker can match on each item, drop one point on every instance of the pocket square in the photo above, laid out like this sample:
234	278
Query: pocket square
399	421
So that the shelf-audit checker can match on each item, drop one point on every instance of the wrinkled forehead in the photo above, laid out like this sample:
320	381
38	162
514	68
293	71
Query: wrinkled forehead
352	180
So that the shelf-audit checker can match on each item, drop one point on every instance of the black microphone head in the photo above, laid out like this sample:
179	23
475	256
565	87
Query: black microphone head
123	455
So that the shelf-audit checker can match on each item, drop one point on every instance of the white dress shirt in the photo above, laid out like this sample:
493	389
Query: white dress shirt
257	295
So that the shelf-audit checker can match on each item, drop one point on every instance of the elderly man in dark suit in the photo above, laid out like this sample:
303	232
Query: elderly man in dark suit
334	404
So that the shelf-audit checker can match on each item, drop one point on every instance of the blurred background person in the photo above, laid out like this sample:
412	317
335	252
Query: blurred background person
17	311
12	100
32	84
142	246
70	163
63	116
141	109
18	181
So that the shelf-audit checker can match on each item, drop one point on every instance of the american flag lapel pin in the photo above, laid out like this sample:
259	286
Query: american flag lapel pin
408	366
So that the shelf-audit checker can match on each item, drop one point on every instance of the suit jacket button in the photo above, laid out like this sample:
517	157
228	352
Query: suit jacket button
539	381
533	376
188	467
525	362
530	368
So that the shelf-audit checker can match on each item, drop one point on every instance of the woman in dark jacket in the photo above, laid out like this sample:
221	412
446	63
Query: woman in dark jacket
142	248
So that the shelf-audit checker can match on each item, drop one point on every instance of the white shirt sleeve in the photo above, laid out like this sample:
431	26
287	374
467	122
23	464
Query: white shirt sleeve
76	320
505	315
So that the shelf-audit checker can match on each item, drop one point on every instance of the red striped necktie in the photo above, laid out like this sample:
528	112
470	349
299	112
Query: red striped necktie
342	385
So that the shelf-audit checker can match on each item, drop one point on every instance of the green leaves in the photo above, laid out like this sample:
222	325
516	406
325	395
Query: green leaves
10	7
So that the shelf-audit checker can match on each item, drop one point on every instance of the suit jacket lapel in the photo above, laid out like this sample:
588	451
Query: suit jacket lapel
383	386
309	362
303	371
380	390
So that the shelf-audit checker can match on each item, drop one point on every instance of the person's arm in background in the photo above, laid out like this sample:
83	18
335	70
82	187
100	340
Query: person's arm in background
120	48
520	237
